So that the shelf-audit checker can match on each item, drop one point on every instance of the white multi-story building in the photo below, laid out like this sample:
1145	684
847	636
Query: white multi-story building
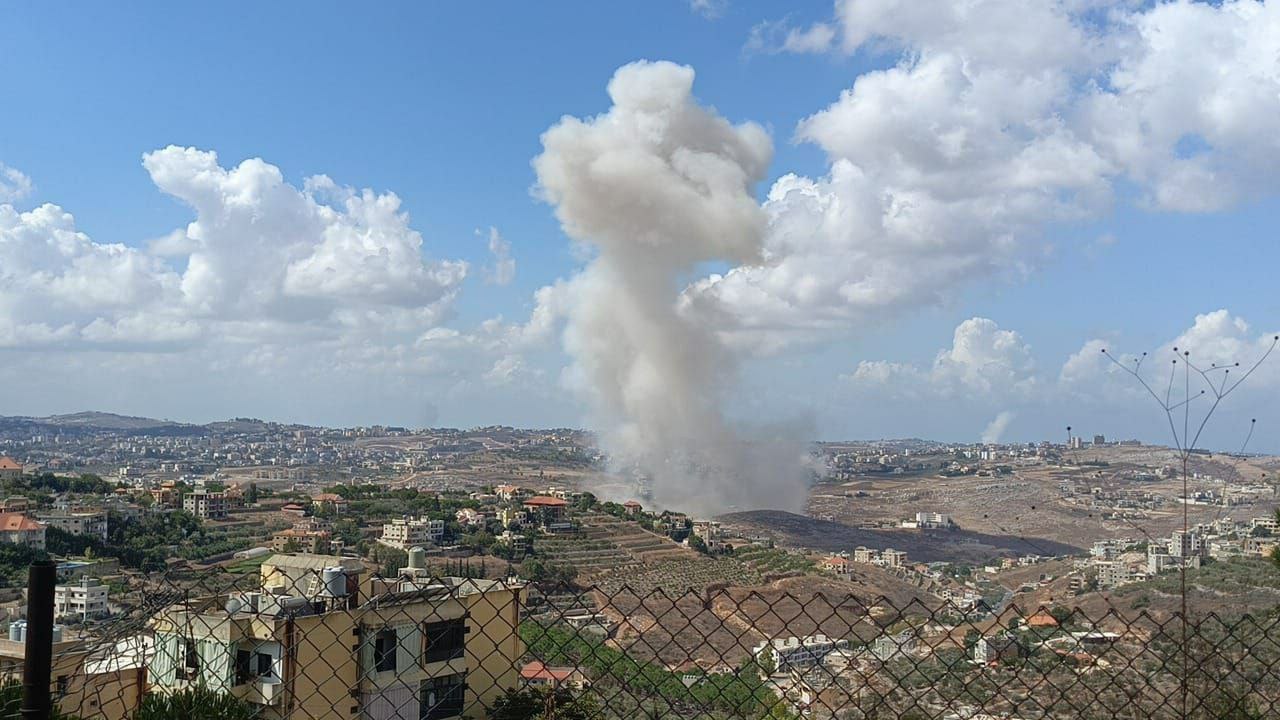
865	555
894	647
1270	523
90	523
405	533
84	599
795	653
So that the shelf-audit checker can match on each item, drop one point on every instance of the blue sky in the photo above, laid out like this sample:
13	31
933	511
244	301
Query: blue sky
444	105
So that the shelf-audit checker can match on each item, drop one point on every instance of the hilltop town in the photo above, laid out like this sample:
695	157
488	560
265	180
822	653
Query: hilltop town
970	533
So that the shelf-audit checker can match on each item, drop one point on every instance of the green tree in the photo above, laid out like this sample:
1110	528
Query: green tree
543	704
194	704
251	495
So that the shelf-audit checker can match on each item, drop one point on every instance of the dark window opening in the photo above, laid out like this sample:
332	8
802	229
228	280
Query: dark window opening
252	665
443	697
189	669
444	640
243	666
384	651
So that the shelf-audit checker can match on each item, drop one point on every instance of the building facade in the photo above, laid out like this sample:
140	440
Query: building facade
84	599
375	649
206	505
89	523
18	529
405	533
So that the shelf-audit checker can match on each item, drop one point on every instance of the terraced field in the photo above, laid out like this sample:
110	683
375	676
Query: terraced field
608	545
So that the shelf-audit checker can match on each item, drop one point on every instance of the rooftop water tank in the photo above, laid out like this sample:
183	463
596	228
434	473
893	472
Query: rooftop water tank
417	558
334	580
18	630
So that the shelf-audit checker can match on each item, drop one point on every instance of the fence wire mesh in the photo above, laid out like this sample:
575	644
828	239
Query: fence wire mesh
318	637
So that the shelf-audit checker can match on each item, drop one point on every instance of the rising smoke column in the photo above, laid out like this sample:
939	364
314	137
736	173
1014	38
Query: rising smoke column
657	185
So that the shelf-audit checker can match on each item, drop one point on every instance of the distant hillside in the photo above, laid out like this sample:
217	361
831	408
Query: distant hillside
97	422
790	529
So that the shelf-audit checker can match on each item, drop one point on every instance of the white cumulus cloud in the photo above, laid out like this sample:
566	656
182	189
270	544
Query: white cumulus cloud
14	184
998	119
984	362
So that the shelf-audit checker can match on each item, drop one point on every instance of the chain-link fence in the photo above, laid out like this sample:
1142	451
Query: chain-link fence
309	636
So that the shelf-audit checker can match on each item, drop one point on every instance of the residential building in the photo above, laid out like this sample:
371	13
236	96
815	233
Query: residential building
19	529
546	510
994	648
866	555
85	677
932	520
1113	573
512	517
797	653
330	501
90	523
470	518
891	558
538	675
632	507
836	563
507	493
517	542
84	599
1270	523
894	647
405	533
361	648
1185	544
296	540
10	469
17	504
206	505
1158	560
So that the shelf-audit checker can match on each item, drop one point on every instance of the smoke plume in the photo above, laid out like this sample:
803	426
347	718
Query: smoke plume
656	186
995	429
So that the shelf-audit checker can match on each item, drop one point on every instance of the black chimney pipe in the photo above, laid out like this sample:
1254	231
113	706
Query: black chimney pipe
37	666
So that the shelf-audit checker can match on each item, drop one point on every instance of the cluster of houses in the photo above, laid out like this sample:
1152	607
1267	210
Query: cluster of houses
1121	561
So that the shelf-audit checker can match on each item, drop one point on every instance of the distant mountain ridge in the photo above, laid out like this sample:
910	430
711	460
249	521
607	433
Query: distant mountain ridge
93	421
102	420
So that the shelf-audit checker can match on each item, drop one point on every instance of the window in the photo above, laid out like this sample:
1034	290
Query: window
384	651
244	670
253	665
443	697
189	668
444	640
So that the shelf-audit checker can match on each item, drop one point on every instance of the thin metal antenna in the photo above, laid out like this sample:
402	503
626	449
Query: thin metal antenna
1187	442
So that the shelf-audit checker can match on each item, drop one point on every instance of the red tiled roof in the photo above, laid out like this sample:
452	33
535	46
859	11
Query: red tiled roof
8	463
15	522
539	671
546	501
631	503
1042	619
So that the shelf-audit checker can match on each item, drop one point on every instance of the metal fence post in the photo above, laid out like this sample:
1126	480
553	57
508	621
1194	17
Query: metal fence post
37	667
